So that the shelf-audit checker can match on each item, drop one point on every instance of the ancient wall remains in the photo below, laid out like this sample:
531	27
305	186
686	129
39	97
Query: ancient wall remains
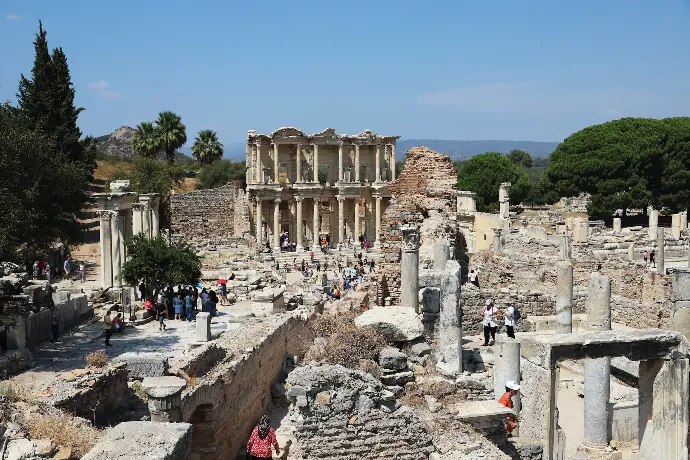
214	216
425	193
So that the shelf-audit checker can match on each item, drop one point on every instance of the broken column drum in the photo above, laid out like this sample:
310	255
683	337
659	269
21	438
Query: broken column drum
566	247
564	297
660	251
441	254
597	371
653	223
409	270
450	330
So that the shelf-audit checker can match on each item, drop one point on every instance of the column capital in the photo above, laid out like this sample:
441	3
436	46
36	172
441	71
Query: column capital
410	237
378	198
340	198
107	215
258	199
276	200
299	198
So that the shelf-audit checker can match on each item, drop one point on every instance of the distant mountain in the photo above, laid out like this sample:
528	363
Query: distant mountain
119	144
464	149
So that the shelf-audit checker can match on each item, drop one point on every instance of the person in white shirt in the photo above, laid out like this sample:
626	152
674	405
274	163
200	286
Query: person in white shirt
472	277
509	321
489	313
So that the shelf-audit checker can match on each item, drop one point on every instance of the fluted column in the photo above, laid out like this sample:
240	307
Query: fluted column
392	162
137	222
259	222
257	162
378	218
379	152
356	162
341	219
316	164
357	202
106	249
146	219
276	224
275	163
117	247
155	218
299	163
315	244
300	232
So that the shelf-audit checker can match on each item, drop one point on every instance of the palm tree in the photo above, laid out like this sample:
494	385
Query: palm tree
207	148
171	132
145	140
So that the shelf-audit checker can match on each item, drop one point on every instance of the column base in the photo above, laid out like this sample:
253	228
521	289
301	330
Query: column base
599	452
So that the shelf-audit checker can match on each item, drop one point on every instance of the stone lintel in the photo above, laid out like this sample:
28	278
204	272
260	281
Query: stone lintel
636	345
163	387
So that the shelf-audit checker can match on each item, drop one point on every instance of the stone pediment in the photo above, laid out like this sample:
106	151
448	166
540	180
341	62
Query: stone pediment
287	132
328	132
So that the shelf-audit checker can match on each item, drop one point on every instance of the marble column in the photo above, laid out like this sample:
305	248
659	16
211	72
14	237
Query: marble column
155	217
507	368
358	230
379	153
341	152
276	163
298	163
146	219
116	239
564	297
316	164
106	249
660	269
441	254
450	320
617	225
165	397
683	220
137	218
356	162
378	218
566	248
504	200
496	246
409	270
259	223
316	238
341	219
653	223
276	225
300	229
392	162
257	163
597	371
675	226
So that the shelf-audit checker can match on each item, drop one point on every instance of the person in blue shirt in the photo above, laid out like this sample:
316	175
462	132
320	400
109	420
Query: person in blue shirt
189	305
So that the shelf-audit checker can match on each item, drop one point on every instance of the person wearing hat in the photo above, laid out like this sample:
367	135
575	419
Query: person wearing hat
512	389
509	321
489	313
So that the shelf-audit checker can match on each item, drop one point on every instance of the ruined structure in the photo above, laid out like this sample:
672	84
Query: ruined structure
344	178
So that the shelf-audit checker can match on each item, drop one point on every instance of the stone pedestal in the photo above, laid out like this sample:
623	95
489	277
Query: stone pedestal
466	202
203	327
450	331
653	223
267	302
165	398
660	269
409	270
581	230
675	226
496	245
504	200
564	298
441	254
617	225
597	371
506	368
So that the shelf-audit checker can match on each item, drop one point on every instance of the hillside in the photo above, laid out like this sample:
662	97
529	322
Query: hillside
119	144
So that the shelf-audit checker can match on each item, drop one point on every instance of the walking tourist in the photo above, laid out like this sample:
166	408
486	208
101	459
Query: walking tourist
262	439
652	258
512	389
489	313
67	266
189	304
161	313
223	294
645	256
82	272
117	323
177	303
107	328
47	272
509	318
473	277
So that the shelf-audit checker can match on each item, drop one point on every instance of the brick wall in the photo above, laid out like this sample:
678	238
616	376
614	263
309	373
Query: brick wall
212	216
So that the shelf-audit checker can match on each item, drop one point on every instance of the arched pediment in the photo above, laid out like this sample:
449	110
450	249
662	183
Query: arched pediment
287	132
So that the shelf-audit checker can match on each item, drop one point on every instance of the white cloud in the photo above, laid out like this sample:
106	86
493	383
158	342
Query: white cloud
13	17
101	84
102	89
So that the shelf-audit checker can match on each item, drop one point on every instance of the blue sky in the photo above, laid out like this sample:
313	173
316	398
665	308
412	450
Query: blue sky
501	69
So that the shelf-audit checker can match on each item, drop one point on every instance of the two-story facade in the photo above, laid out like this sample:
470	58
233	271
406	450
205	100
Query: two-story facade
324	185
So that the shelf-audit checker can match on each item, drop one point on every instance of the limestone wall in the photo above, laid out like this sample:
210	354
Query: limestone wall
212	216
231	398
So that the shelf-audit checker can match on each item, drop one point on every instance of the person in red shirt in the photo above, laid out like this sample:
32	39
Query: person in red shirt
512	389
261	440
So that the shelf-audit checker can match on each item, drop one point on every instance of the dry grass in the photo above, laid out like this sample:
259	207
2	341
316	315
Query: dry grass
347	344
15	391
188	184
96	359
106	170
63	433
412	398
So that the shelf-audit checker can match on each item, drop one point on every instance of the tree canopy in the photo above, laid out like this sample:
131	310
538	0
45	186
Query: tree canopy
158	264
172	133
484	173
520	158
220	173
626	163
207	148
145	140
